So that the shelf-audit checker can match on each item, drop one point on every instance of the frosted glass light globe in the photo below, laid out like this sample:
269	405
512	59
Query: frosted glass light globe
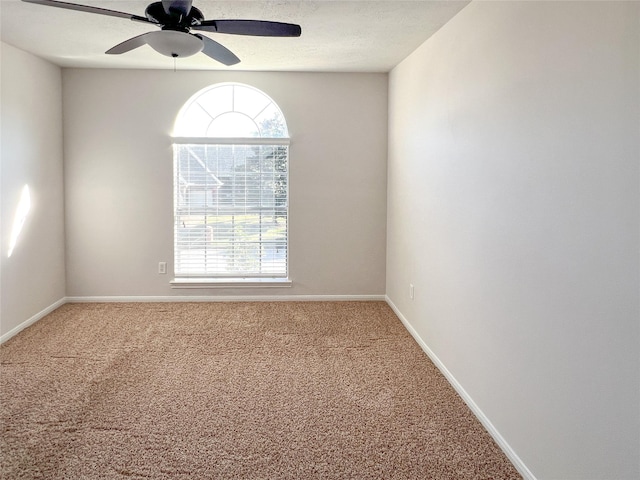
174	44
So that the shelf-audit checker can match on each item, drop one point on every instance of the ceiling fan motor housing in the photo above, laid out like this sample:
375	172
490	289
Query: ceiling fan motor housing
173	18
174	40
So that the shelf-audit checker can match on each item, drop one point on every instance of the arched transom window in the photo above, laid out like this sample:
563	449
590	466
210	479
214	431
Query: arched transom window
231	182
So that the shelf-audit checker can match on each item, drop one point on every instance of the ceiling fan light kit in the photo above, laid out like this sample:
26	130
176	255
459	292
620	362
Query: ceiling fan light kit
176	18
174	44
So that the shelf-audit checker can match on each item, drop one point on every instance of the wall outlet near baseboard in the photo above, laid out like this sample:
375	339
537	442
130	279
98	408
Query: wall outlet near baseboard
162	267
411	292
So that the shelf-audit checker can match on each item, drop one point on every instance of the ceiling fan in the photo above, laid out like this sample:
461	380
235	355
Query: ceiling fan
176	18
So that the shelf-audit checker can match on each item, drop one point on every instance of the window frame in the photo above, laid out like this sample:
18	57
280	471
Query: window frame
226	281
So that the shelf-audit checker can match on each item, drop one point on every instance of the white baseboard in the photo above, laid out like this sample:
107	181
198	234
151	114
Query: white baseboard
228	298
486	423
32	320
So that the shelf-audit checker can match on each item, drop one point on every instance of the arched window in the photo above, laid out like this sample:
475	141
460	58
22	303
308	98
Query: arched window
231	183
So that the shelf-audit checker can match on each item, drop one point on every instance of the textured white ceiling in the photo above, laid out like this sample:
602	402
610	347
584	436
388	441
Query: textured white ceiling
354	36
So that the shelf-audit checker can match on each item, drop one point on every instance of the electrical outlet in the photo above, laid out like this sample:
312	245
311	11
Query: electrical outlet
411	292
162	267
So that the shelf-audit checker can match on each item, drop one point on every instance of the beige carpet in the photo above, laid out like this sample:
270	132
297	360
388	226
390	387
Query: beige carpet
276	390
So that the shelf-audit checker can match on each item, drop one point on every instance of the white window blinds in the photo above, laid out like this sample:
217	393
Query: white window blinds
231	209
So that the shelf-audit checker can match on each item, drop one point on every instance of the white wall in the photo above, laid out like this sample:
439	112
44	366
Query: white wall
33	278
118	174
513	208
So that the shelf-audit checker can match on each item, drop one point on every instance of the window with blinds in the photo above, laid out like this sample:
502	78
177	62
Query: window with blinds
231	186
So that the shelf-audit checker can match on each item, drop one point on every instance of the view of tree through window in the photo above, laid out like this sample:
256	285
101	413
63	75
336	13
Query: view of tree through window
231	185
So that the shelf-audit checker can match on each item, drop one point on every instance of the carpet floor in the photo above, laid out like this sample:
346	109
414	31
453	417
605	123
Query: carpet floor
273	390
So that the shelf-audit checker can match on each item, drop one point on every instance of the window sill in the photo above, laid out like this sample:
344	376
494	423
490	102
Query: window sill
230	282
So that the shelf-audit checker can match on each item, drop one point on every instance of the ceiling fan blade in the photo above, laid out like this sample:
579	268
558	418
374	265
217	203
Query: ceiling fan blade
128	45
217	51
260	28
89	9
177	7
